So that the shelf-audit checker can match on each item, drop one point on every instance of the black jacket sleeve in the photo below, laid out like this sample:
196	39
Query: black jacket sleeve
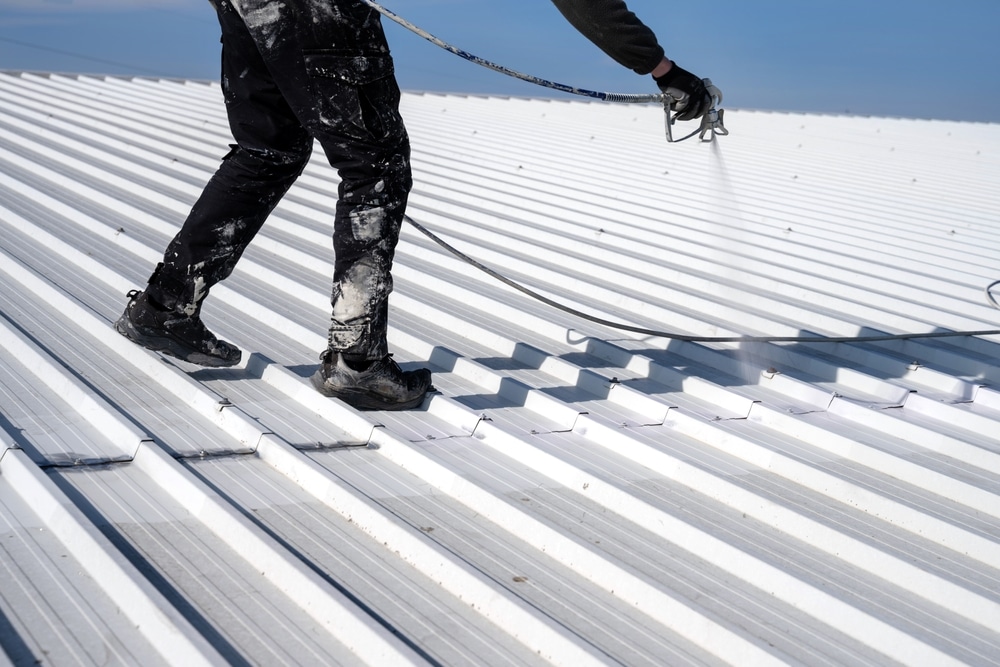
617	31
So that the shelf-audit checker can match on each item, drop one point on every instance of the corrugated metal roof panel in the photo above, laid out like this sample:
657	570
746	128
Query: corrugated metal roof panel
573	493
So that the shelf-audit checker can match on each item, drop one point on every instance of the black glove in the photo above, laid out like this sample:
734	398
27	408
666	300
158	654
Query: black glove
691	99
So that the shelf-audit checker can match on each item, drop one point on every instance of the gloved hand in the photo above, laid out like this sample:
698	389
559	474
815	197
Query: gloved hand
691	99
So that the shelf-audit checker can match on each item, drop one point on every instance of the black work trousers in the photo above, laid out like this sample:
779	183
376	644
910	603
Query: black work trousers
295	72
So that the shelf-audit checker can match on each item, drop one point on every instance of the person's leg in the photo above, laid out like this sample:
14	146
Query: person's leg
332	64
271	150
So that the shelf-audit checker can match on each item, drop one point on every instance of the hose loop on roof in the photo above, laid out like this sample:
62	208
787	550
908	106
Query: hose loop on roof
693	339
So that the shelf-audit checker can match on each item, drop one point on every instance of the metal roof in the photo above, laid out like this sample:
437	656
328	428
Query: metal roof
574	494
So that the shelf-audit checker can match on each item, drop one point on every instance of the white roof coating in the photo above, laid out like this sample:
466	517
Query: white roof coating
572	494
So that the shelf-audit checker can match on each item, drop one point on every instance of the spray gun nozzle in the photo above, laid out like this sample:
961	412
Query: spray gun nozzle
711	125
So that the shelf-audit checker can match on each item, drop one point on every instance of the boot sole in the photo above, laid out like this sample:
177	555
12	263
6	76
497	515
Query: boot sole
365	400
170	347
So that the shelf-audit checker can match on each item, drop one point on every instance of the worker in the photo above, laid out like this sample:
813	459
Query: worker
295	72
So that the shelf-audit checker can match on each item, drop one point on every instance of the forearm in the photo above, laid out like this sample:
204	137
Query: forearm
618	32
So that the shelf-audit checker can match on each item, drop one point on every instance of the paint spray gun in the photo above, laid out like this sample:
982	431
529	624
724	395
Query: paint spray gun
711	122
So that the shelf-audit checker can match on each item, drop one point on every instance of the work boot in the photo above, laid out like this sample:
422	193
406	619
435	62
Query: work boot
374	385
174	334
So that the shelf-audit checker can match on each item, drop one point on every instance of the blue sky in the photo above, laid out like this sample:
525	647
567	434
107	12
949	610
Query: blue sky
915	58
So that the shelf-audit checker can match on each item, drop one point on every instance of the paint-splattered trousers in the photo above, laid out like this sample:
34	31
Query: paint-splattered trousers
293	72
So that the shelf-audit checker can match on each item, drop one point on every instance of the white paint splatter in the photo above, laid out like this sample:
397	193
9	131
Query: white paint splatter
368	224
200	292
228	231
262	18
